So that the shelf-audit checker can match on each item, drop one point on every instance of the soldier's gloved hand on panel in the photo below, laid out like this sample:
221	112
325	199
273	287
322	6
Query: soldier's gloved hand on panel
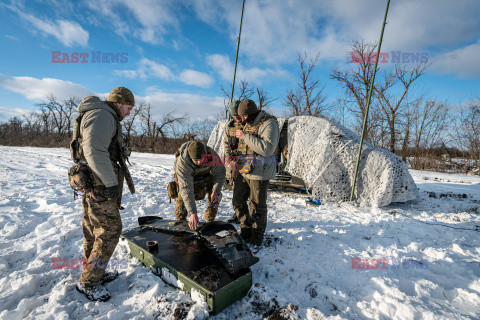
112	192
193	223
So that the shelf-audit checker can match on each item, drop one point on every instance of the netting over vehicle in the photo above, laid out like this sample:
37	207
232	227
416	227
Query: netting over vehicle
323	154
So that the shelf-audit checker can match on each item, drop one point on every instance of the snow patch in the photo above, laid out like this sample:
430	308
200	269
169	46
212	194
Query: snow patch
169	278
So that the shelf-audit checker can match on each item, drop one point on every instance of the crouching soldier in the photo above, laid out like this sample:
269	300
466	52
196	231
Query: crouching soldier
97	149
198	171
230	147
258	142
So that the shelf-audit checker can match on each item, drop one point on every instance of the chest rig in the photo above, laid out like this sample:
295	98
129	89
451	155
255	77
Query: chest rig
232	127
243	148
247	155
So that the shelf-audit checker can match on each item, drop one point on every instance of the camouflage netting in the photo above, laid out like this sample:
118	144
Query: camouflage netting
324	154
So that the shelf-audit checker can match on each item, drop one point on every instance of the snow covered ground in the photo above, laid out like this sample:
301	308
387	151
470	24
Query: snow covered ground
423	257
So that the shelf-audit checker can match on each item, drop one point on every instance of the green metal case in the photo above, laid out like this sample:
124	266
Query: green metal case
188	265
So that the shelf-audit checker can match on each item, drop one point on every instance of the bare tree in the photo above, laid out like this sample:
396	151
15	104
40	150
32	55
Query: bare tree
129	122
307	98
427	124
243	91
356	83
169	120
468	130
153	129
263	99
391	103
198	130
58	115
388	104
71	105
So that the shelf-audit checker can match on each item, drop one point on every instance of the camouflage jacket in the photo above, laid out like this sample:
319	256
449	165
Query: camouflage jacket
97	130
185	170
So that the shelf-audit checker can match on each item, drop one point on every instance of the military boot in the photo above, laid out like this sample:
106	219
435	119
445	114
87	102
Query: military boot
233	219
108	276
246	234
257	236
94	293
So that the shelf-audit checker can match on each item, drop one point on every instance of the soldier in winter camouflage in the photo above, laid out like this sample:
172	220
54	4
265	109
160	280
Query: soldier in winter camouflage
97	143
258	142
230	146
198	171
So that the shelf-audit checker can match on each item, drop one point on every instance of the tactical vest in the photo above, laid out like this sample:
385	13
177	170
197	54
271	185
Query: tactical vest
115	149
243	148
76	148
233	142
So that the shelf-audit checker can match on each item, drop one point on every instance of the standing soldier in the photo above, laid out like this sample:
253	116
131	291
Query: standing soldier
258	142
230	146
97	147
198	171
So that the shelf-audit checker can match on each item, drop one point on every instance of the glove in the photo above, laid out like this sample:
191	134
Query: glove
112	192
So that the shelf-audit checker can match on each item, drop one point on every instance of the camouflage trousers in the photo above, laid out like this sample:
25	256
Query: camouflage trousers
102	226
252	216
200	189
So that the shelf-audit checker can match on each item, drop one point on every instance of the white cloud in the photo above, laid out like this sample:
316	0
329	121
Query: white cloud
7	113
151	20
157	70
196	106
11	37
221	64
39	89
224	67
69	33
463	61
147	69
150	69
274	31
196	78
130	74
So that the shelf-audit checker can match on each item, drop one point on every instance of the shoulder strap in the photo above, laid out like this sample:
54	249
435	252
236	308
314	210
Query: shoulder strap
262	121
74	144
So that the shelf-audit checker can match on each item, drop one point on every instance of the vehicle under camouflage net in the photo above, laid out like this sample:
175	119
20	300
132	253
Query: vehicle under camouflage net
323	154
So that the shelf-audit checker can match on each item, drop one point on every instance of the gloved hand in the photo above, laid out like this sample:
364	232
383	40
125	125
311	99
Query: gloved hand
112	192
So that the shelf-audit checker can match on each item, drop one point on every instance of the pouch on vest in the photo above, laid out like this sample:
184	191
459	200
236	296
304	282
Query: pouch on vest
172	190
247	164
80	178
172	187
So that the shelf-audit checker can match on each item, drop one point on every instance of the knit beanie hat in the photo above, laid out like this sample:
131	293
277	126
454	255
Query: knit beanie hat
247	107
233	107
196	149
121	95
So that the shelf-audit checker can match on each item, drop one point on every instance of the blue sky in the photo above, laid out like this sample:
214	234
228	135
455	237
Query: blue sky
180	52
